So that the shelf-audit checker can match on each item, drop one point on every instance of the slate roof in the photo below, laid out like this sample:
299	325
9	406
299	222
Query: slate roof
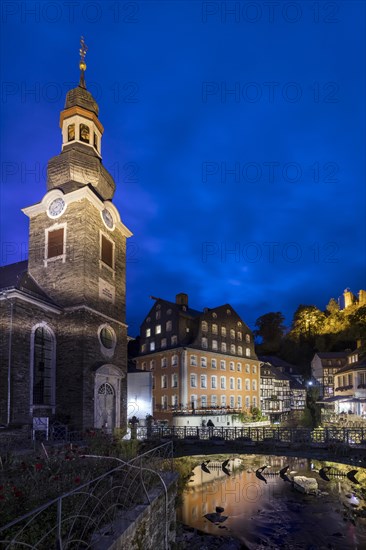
16	276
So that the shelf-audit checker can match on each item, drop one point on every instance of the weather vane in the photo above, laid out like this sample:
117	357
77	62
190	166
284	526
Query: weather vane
82	64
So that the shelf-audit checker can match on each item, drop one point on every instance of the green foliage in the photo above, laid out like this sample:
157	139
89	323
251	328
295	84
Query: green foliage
270	328
312	396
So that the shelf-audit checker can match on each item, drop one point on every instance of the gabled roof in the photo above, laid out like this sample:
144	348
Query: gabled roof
16	277
360	364
332	354
280	363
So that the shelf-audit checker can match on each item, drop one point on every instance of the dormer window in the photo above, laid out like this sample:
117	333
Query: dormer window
71	132
84	133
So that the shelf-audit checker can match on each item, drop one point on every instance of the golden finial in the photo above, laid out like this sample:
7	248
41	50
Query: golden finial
82	64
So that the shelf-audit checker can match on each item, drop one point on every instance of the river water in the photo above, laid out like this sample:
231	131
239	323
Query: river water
270	512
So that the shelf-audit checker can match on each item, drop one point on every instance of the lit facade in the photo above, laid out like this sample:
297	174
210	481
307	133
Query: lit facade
350	386
324	366
200	361
275	393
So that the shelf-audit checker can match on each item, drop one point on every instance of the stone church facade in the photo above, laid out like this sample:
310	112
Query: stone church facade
63	344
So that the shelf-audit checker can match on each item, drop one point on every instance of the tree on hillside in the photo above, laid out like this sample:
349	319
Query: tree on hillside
308	321
270	329
332	306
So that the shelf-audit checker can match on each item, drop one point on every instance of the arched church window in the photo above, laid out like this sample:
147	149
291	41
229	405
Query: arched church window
105	389
71	132
84	133
43	378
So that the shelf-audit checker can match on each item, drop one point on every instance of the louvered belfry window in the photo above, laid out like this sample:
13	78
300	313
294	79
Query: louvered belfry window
107	251
55	243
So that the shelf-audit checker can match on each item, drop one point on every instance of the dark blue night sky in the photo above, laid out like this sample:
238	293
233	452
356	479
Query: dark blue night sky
237	141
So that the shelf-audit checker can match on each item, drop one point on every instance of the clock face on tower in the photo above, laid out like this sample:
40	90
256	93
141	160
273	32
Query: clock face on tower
56	207
107	218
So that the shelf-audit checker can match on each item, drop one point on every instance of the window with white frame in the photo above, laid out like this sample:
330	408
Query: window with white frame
193	381
164	402
254	401
214	329
193	360
238	383
247	384
174	360
163	342
203	401
240	350
247	338
232	365
213	382
232	383
144	365
203	381
232	402
214	344
204	362
213	400
152	364
232	349
164	362
204	343
223	347
232	334
247	368
239	336
174	401
158	315
240	403
43	366
174	340
213	364
204	326
223	382
254	385
174	380
168	326
247	401
223	331
254	369
164	381
152	346
223	364
238	367
247	352
223	401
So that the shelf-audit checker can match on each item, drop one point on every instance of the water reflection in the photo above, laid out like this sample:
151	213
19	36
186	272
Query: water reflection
270	512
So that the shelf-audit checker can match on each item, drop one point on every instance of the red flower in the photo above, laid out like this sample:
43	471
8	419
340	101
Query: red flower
77	479
38	466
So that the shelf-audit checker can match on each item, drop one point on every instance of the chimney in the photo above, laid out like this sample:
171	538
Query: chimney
181	299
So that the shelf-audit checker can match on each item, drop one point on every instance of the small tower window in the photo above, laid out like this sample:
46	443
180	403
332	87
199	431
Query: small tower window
55	243
95	141
71	132
107	251
84	133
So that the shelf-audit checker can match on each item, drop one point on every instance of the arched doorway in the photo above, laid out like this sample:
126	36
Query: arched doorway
107	397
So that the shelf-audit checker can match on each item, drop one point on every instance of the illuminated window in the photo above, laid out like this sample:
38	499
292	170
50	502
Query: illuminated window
214	329
228	312
204	326
84	133
247	338
223	331
148	332
214	344
106	254
71	132
223	347
240	350
152	346
232	334
232	348
240	336
158	329
247	352
143	348
204	343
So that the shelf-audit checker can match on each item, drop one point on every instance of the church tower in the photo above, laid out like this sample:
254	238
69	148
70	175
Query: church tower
77	254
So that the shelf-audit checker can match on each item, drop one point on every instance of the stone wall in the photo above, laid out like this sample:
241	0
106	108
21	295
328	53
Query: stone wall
143	528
